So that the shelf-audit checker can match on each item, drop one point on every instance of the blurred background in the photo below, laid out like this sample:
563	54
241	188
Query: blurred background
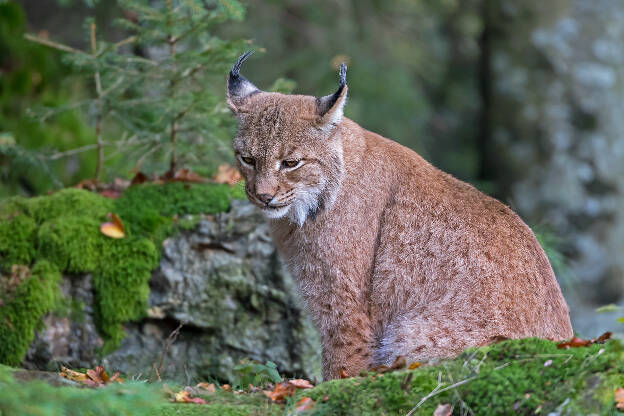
525	100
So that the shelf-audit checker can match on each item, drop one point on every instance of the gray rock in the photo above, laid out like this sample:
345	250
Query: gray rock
224	282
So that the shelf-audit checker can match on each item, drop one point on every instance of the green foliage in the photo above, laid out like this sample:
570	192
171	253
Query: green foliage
252	372
37	398
62	231
34	75
168	104
22	307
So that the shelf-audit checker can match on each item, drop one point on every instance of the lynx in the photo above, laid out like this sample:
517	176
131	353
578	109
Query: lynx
392	256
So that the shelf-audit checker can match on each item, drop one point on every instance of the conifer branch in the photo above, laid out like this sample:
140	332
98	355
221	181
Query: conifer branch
100	109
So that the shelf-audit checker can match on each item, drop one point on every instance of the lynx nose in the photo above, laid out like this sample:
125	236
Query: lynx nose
266	198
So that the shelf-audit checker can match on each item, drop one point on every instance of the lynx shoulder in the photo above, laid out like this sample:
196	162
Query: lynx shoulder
393	256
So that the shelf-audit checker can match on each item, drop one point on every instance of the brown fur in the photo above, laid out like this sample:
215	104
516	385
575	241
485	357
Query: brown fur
398	258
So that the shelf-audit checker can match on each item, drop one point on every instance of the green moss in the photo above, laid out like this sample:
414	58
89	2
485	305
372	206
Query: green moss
37	398
524	377
73	243
22	308
17	237
506	378
148	209
61	231
121	284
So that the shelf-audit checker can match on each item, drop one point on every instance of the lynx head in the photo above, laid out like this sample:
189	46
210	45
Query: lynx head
288	147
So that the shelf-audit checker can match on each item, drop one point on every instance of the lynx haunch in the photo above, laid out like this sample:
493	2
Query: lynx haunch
392	256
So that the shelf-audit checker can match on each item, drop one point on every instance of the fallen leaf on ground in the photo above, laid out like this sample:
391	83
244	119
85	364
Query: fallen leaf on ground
114	229
227	174
88	184
72	375
93	377
98	375
414	365
343	374
280	392
303	404
619	398
443	410
575	342
287	389
207	387
185	397
301	383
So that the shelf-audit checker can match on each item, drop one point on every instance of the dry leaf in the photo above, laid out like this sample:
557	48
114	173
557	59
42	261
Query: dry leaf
301	383
114	229
579	342
98	375
72	375
88	184
619	398
226	387
227	174
93	377
281	391
208	387
343	374
414	365
287	389
303	404
185	397
443	410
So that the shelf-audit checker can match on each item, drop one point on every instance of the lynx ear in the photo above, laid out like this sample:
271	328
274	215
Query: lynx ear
238	87
330	107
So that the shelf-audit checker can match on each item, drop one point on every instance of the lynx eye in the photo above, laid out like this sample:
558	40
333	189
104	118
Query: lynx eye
290	163
248	160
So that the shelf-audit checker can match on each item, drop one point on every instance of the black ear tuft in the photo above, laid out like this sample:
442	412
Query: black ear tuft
324	104
235	72
342	76
239	87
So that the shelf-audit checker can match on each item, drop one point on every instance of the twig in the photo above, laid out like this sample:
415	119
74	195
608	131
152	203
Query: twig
168	343
437	390
72	152
52	44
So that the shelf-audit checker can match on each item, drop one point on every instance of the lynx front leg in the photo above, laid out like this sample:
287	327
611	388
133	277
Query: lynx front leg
346	345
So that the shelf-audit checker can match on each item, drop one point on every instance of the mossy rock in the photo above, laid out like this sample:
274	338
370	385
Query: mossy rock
21	308
60	233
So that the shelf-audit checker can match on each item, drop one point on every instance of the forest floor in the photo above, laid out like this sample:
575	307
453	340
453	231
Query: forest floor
528	376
